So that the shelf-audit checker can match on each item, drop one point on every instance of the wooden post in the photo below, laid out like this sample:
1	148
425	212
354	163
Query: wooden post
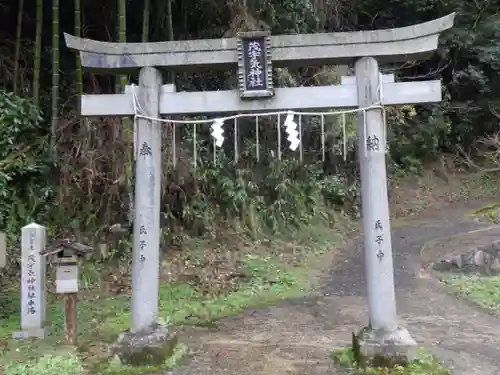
70	303
67	258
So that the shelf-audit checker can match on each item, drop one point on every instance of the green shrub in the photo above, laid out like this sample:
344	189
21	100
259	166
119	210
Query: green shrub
24	164
288	195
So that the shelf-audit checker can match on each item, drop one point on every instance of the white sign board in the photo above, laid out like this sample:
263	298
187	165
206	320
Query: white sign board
67	279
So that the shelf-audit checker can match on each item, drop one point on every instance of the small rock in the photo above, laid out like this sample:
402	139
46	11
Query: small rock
496	245
478	259
457	261
487	258
495	265
468	259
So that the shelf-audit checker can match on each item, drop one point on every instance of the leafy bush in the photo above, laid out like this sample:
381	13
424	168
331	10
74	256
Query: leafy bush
24	163
416	137
11	305
267	197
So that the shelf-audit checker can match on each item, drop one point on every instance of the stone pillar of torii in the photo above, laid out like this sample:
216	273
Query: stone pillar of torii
256	94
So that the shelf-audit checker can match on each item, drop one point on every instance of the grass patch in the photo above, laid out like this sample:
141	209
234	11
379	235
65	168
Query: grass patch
413	194
483	290
114	367
68	363
252	273
489	213
480	186
424	364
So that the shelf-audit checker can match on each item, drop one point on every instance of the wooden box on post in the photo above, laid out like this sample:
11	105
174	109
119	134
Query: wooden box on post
66	257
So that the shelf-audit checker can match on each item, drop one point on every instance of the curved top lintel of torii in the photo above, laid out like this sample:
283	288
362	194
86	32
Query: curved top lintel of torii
389	45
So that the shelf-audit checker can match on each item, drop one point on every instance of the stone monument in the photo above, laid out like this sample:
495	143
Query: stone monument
33	274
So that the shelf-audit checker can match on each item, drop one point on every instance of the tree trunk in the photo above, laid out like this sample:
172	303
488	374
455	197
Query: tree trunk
55	72
170	30
18	43
122	35
145	20
78	33
38	51
127	125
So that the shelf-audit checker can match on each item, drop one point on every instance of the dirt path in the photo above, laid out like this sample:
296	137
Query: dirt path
296	337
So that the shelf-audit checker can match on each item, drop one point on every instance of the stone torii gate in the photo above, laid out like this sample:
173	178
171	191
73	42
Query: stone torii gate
366	49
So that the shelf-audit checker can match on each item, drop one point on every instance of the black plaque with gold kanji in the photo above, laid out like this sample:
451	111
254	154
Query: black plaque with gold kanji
254	65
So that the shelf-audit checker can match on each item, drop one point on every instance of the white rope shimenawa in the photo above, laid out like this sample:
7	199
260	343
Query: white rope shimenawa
139	113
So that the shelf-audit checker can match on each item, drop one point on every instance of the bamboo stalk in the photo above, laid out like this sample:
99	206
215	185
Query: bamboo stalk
55	72
145	20
38	51
128	132
19	29
78	33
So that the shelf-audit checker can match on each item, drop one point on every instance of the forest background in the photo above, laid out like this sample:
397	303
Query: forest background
59	169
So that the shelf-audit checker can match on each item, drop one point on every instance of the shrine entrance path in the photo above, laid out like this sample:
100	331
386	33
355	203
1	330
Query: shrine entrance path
297	336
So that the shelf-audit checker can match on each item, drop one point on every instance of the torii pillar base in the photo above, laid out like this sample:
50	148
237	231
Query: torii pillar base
149	347
380	348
